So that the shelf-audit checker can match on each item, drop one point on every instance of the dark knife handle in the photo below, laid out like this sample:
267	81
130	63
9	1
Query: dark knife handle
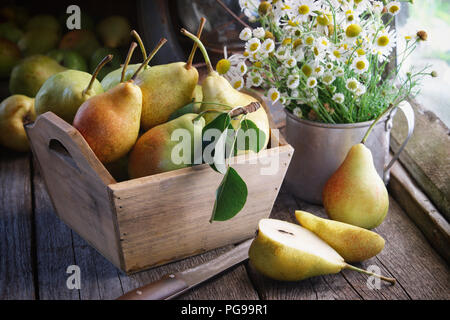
165	288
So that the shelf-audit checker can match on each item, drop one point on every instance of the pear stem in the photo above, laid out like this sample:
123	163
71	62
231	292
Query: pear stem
391	106
194	48
390	280
102	63
127	60
232	14
150	57
201	47
141	44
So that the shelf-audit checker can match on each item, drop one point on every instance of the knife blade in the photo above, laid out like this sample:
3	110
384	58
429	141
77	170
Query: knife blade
174	284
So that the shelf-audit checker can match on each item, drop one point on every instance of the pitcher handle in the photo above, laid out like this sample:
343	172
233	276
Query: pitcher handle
408	111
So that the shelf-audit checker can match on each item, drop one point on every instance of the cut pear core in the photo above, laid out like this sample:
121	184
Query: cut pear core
298	238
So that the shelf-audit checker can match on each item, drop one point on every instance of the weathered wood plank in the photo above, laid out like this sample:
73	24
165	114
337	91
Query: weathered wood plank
233	284
427	155
420	210
16	255
54	247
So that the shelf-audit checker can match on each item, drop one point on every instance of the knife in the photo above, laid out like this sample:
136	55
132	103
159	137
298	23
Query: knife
174	284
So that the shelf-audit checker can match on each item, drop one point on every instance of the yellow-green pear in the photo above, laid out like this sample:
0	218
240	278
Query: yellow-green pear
355	193
353	243
288	252
167	88
219	94
16	111
157	151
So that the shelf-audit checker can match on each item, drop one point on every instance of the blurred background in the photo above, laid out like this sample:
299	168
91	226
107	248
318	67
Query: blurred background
433	16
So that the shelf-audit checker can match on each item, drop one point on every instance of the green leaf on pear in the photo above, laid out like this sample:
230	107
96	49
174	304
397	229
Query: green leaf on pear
230	196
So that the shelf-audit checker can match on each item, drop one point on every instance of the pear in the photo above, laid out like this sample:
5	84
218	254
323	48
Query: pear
114	77
15	111
219	94
152	153
114	31
355	193
288	252
10	31
110	121
98	55
353	243
38	41
162	95
9	57
64	92
82	41
69	59
44	22
30	74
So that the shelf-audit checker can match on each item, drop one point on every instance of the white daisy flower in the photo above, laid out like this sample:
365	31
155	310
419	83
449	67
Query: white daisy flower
246	34
360	65
377	7
339	98
268	46
304	9
384	43
293	81
290	62
259	33
242	67
282	53
311	82
360	90
253	45
254	79
318	71
393	8
352	32
237	83
352	85
339	72
323	42
273	94
329	66
328	78
299	54
297	112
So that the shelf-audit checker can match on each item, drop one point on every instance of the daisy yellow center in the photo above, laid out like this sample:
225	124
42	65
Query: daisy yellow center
312	82
309	41
352	85
274	96
237	84
258	64
287	41
246	54
242	68
254	47
353	30
324	20
360	65
303	9
360	52
327	78
223	66
307	70
324	42
383	41
316	51
293	23
297	43
394	9
357	1
336	53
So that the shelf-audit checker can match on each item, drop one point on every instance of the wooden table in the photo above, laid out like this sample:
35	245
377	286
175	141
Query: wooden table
36	249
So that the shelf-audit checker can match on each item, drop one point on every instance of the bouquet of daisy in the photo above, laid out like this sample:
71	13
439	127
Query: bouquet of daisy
324	60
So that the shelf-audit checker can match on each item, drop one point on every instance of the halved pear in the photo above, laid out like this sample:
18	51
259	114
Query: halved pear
353	243
288	252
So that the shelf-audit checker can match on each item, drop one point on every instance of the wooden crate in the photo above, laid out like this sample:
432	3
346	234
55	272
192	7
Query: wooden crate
145	222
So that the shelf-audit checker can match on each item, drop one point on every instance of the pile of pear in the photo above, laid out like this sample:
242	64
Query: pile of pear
128	118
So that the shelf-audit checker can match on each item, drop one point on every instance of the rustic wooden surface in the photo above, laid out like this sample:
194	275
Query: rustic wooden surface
36	248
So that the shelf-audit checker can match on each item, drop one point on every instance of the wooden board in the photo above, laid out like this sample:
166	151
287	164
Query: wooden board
16	227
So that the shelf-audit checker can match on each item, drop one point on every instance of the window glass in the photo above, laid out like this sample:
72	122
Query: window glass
433	16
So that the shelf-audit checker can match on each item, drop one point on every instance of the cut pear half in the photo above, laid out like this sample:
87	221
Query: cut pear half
288	252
